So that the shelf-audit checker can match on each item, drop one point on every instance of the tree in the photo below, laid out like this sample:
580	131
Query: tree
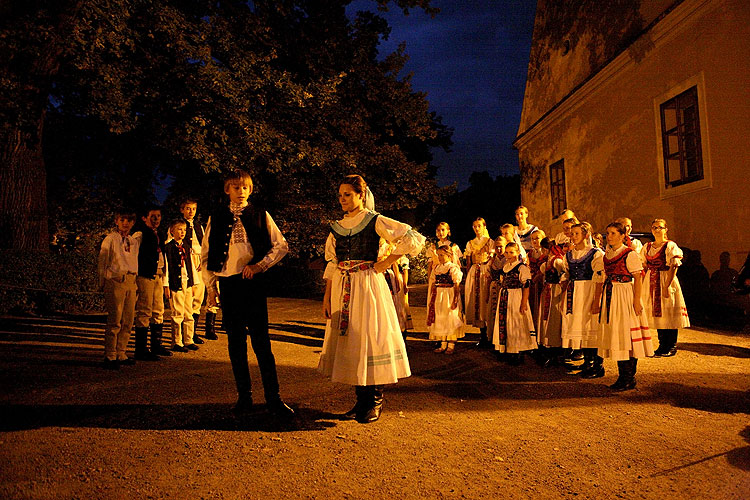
292	91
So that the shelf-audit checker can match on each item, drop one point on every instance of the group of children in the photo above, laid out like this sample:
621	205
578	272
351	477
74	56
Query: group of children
579	295
137	271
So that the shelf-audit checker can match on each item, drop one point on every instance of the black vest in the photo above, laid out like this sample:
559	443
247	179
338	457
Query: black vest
254	221
148	253
174	265
188	241
360	242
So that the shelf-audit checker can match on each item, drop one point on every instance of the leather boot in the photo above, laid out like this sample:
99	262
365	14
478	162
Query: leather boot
210	325
628	382
597	368
373	405
156	347
141	350
622	370
196	338
359	391
670	339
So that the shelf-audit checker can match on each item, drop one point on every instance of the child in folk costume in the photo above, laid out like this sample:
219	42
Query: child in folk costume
443	233
524	230
623	329
584	268
662	294
631	242
444	321
536	257
509	233
178	288
477	253
363	345
496	263
549	322
396	279
514	330
563	237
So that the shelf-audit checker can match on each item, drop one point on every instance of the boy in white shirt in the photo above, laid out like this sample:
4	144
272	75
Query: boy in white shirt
117	269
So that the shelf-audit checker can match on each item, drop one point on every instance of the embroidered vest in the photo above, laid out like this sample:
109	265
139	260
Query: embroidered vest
580	269
358	243
254	221
444	279
175	264
616	269
512	278
657	262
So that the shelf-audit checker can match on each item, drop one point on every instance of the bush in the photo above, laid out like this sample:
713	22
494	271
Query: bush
34	282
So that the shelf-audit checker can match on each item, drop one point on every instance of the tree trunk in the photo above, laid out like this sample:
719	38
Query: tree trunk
23	192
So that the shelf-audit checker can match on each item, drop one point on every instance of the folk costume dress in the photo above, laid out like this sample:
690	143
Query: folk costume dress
536	259
363	343
622	334
477	281
663	313
525	237
493	290
394	277
513	331
584	268
549	322
443	322
432	252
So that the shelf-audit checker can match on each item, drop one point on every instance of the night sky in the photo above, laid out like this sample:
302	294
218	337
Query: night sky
471	60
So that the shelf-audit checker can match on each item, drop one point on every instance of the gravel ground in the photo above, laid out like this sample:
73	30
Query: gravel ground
463	426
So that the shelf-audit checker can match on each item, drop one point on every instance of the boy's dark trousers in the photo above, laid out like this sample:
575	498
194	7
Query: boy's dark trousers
244	310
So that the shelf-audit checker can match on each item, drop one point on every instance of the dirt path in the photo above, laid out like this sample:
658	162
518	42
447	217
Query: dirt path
464	426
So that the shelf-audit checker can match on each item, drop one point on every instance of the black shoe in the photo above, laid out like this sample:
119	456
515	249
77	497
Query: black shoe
626	385
671	352
161	351
127	361
351	414
147	356
244	404
618	383
110	364
211	336
179	348
279	408
594	372
576	355
197	339
191	347
374	406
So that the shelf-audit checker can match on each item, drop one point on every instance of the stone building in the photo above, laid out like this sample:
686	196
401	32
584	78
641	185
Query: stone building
641	109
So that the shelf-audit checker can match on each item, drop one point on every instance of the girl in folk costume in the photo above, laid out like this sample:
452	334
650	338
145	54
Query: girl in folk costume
563	237
584	268
509	233
623	329
514	330
536	257
443	234
444	320
477	253
549	322
497	261
662	294
524	230
363	345
396	277
631	242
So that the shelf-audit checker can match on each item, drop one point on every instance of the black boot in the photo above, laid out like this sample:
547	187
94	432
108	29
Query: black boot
597	367
628	382
359	391
156	347
141	350
373	405
196	337
670	338
210	325
622	375
484	342
659	352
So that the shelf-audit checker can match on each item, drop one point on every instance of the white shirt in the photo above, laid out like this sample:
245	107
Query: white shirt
118	256
240	254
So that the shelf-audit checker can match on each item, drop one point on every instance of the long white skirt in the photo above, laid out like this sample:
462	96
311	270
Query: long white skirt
625	335
477	285
519	328
580	329
372	352
549	331
448	325
673	311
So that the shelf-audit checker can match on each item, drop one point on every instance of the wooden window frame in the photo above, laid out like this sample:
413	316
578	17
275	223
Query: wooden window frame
558	195
684	131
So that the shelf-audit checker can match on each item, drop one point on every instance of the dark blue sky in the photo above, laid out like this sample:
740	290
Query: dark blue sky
471	60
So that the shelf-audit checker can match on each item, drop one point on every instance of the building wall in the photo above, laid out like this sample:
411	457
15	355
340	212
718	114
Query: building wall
607	134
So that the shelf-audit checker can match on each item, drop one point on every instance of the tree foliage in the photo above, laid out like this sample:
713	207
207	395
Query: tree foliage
293	91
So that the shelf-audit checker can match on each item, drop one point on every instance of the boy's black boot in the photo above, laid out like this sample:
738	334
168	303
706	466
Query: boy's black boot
196	337
141	351
373	405
597	367
156	347
210	325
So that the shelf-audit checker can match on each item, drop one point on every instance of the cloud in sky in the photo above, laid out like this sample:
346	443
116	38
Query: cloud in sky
471	60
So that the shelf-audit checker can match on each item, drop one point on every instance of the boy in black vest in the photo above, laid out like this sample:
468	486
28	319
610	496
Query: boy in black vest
241	242
178	288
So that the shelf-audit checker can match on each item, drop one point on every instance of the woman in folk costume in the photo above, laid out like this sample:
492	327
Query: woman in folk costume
662	294
513	330
549	321
623	329
584	268
477	253
363	345
443	234
396	278
444	321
